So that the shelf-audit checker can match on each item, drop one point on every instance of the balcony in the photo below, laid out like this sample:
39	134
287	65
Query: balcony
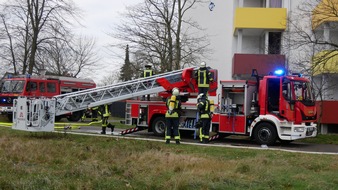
255	20
325	11
325	62
243	64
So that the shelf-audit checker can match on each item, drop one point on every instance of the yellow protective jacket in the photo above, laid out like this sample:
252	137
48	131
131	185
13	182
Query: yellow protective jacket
204	109
204	77
148	73
175	113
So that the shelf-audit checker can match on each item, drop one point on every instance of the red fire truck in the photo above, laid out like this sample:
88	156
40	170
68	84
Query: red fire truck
270	108
40	86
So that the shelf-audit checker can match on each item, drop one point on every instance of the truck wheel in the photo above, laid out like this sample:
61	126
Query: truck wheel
265	133
158	126
10	117
76	116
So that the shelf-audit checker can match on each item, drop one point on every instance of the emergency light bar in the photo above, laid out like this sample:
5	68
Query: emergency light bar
279	72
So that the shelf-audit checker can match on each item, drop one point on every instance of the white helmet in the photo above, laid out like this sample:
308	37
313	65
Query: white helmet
203	64
176	92
200	96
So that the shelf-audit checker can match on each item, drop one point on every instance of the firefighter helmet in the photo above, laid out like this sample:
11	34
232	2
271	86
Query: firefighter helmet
175	91
200	96
147	66
203	64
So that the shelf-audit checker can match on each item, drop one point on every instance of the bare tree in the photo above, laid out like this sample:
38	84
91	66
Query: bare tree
157	32
30	26
68	58
112	78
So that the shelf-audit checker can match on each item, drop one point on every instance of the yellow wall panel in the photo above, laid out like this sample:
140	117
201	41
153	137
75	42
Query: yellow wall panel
264	18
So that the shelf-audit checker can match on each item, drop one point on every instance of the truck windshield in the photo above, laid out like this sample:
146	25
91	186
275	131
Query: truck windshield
303	91
14	86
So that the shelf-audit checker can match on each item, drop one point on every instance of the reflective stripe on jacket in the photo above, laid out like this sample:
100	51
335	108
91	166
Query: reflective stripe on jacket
204	77
106	111
147	73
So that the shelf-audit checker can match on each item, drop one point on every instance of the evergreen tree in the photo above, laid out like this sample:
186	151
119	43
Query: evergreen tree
126	72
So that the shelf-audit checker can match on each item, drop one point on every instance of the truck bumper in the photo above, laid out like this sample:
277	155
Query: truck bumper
299	131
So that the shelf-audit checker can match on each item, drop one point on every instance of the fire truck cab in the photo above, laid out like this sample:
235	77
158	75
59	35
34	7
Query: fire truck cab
270	109
39	86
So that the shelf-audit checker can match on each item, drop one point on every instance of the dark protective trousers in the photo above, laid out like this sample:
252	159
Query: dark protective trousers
172	124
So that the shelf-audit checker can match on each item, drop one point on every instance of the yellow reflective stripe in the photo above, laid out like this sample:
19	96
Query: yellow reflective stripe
147	72
205	116
175	114
201	135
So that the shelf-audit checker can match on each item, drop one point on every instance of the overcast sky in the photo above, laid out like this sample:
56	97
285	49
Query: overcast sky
98	18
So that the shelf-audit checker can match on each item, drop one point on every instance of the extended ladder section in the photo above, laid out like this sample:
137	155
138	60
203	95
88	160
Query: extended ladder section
81	100
39	114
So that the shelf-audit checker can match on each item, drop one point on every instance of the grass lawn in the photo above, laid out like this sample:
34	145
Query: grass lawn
66	161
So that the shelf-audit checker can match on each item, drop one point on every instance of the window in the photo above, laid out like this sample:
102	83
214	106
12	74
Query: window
42	87
31	86
51	87
286	89
275	42
276	3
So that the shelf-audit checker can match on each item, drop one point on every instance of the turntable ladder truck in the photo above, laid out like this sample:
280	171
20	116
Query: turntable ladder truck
38	114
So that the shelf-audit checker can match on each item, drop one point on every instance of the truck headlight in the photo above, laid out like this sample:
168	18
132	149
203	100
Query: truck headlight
299	129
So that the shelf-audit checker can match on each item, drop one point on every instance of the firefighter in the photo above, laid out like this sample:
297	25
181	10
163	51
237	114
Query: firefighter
203	77
90	112
104	111
95	111
147	72
172	116
205	115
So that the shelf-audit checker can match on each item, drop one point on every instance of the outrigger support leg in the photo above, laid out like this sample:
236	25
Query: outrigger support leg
131	130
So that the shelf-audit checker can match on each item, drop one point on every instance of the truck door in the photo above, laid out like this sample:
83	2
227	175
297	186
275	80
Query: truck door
286	101
273	91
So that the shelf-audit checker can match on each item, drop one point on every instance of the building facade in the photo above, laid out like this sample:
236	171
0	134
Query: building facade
265	35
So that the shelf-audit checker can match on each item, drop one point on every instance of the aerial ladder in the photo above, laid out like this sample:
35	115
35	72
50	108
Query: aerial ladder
39	114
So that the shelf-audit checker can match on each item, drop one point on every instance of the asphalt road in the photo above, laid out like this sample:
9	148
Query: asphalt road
231	141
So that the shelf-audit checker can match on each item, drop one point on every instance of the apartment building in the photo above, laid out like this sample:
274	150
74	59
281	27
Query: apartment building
258	34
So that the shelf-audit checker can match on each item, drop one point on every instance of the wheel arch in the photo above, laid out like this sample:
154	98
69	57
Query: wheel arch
265	119
153	117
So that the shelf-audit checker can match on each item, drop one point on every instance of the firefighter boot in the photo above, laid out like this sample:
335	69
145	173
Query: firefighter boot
103	130
205	140
178	141
167	141
111	127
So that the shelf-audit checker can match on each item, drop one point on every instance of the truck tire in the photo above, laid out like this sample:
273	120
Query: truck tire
76	116
265	133
158	126
10	117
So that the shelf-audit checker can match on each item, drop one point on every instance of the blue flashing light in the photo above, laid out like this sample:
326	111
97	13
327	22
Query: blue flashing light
279	72
3	100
